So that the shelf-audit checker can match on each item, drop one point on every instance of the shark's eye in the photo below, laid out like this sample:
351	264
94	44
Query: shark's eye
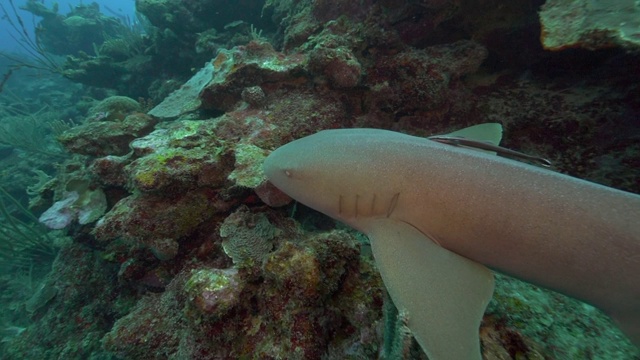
288	173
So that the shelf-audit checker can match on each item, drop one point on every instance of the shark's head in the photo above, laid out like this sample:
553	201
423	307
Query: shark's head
306	170
334	172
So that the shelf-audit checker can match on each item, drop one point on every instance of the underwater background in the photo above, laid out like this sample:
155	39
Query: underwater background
136	221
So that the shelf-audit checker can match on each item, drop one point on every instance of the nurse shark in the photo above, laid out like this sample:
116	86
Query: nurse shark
439	216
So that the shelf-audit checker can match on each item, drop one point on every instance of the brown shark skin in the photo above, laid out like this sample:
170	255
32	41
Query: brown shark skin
569	235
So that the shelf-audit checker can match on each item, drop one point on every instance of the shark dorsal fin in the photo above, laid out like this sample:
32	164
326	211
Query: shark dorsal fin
486	138
490	133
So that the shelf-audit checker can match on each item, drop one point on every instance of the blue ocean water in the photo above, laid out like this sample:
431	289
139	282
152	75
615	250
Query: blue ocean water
117	8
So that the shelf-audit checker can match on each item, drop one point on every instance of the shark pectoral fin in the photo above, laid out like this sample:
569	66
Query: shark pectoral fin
444	294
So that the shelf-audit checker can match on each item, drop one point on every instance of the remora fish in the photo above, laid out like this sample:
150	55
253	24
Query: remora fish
436	214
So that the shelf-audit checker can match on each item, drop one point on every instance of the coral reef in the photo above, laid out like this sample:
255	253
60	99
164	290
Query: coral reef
77	31
338	65
109	128
185	99
281	313
245	66
79	320
156	221
590	24
213	292
189	17
183	250
106	137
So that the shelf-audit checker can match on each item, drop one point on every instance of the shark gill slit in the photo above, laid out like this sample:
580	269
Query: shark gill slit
357	203
392	205
340	204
